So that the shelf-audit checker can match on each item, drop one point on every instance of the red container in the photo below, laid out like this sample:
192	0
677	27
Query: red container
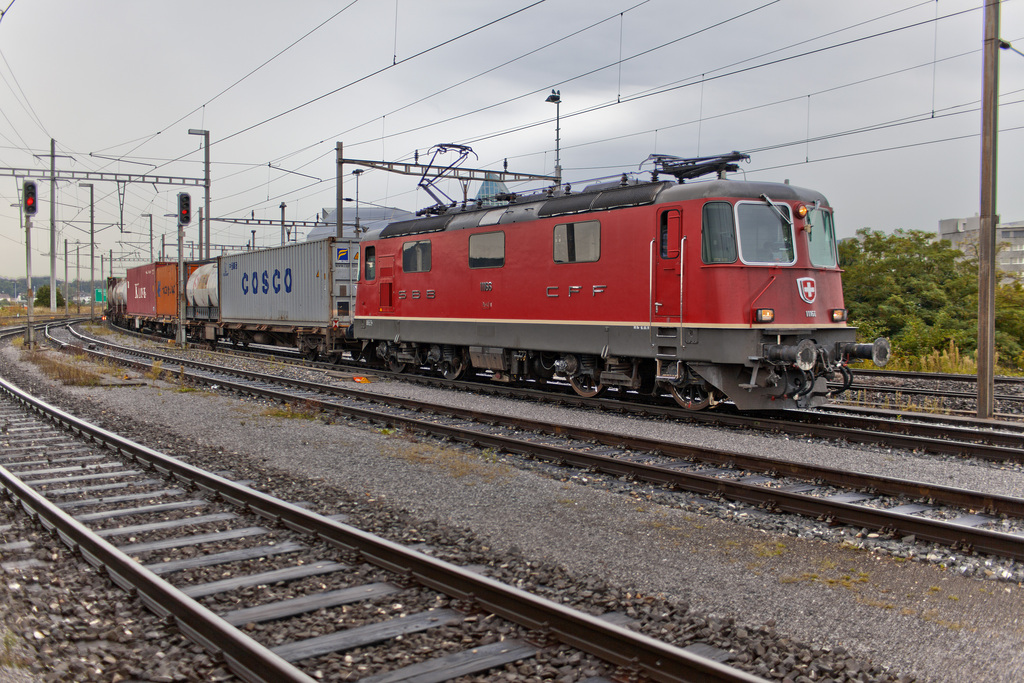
142	290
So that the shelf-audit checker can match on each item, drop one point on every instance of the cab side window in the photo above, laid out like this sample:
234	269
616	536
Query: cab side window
669	233
718	234
369	263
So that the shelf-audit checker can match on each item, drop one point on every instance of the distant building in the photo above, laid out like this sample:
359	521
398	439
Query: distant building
369	216
963	233
490	189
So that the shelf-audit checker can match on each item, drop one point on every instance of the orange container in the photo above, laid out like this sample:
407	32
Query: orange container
166	290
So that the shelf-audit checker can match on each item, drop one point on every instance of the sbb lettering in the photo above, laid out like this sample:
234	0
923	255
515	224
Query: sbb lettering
552	291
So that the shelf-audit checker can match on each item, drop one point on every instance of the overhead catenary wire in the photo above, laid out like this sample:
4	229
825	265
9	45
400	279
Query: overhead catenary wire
395	131
663	90
381	70
524	95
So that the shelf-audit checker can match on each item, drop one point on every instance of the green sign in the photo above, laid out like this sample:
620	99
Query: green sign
101	296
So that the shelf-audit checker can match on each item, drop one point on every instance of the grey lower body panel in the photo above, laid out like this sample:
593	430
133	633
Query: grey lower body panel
693	344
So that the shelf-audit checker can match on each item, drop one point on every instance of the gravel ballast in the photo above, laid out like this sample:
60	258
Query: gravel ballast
863	604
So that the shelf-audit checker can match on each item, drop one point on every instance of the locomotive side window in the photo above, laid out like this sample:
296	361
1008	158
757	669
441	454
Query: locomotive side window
416	256
577	242
821	238
487	250
370	263
765	237
718	236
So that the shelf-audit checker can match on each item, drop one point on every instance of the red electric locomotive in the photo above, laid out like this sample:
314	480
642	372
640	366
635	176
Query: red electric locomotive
708	291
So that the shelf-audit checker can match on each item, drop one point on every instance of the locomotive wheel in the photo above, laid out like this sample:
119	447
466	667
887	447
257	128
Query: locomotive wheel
395	366
455	370
691	396
585	387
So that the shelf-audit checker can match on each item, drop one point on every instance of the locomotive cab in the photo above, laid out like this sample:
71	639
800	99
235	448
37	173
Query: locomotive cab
762	299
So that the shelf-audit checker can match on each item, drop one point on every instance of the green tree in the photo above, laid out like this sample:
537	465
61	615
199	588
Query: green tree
43	296
1010	323
922	294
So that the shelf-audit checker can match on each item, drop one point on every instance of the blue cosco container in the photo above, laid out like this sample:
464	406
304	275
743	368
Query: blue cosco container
305	284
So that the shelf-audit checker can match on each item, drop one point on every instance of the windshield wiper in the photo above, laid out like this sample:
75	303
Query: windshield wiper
779	211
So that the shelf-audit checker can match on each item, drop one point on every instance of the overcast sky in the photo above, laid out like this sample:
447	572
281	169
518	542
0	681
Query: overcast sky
874	103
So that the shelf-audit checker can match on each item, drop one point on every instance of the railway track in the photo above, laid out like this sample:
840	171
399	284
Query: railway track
946	515
189	542
880	390
934	392
863	400
953	435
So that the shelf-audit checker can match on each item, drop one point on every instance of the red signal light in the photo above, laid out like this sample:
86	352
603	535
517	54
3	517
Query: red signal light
184	208
29	197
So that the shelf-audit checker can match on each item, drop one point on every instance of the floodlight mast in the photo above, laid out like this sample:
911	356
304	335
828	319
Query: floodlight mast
206	185
556	98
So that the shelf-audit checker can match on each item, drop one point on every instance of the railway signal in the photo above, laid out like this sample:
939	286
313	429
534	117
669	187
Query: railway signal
29	198
184	209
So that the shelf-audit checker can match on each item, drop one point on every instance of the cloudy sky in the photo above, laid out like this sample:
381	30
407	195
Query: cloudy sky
874	103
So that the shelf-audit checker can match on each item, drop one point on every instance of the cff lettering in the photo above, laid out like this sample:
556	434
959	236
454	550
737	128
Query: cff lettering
257	282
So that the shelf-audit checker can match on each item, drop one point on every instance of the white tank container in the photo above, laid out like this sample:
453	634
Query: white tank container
201	289
119	297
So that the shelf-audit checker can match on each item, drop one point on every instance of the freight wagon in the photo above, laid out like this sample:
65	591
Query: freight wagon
151	296
299	295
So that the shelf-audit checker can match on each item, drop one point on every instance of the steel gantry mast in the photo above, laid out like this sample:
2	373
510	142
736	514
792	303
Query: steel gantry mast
53	175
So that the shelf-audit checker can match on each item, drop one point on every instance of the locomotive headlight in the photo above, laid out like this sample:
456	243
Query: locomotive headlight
801	211
764	315
838	315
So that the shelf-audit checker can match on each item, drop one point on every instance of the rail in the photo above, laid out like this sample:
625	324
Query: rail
657	660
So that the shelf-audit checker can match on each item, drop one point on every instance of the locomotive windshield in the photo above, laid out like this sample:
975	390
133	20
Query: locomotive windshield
821	238
766	233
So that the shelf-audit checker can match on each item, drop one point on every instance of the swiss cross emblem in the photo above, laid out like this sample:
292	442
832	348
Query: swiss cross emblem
807	289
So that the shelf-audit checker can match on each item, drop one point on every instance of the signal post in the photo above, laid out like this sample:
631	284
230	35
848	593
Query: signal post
184	218
28	206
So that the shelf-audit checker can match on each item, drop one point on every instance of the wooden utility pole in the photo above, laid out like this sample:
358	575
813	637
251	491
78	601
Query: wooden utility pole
989	219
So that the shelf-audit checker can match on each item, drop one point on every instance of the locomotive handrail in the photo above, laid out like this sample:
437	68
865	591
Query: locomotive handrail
682	274
753	304
650	293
